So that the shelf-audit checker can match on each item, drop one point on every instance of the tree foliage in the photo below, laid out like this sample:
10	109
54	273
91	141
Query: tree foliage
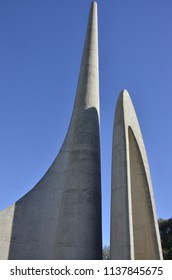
165	228
106	252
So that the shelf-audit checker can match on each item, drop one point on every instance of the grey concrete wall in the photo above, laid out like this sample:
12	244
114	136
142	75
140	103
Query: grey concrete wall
60	218
134	227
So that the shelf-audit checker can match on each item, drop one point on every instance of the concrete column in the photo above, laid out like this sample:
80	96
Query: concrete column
134	227
60	218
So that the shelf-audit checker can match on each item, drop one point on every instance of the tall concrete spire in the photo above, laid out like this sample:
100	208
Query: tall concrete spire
88	84
60	218
134	227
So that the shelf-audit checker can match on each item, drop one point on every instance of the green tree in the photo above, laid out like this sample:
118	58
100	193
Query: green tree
106	252
165	228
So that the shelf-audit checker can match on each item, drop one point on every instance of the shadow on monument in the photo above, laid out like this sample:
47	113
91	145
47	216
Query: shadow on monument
60	218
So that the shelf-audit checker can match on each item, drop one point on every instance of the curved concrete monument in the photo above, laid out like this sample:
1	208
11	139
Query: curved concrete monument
134	227
60	218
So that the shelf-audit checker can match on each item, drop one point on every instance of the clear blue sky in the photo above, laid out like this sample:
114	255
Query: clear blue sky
40	53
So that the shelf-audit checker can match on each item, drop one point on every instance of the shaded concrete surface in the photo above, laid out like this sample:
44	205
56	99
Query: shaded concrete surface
60	218
134	226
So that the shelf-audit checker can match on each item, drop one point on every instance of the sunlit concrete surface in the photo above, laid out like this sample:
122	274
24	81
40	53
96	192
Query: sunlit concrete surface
134	226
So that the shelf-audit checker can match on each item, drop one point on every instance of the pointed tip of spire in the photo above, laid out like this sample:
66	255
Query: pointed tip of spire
94	3
123	97
124	92
93	8
124	100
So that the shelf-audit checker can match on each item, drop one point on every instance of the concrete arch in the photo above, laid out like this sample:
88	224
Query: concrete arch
134	228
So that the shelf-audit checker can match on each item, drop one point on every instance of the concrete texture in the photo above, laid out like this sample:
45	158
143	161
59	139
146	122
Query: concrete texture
134	227
60	218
